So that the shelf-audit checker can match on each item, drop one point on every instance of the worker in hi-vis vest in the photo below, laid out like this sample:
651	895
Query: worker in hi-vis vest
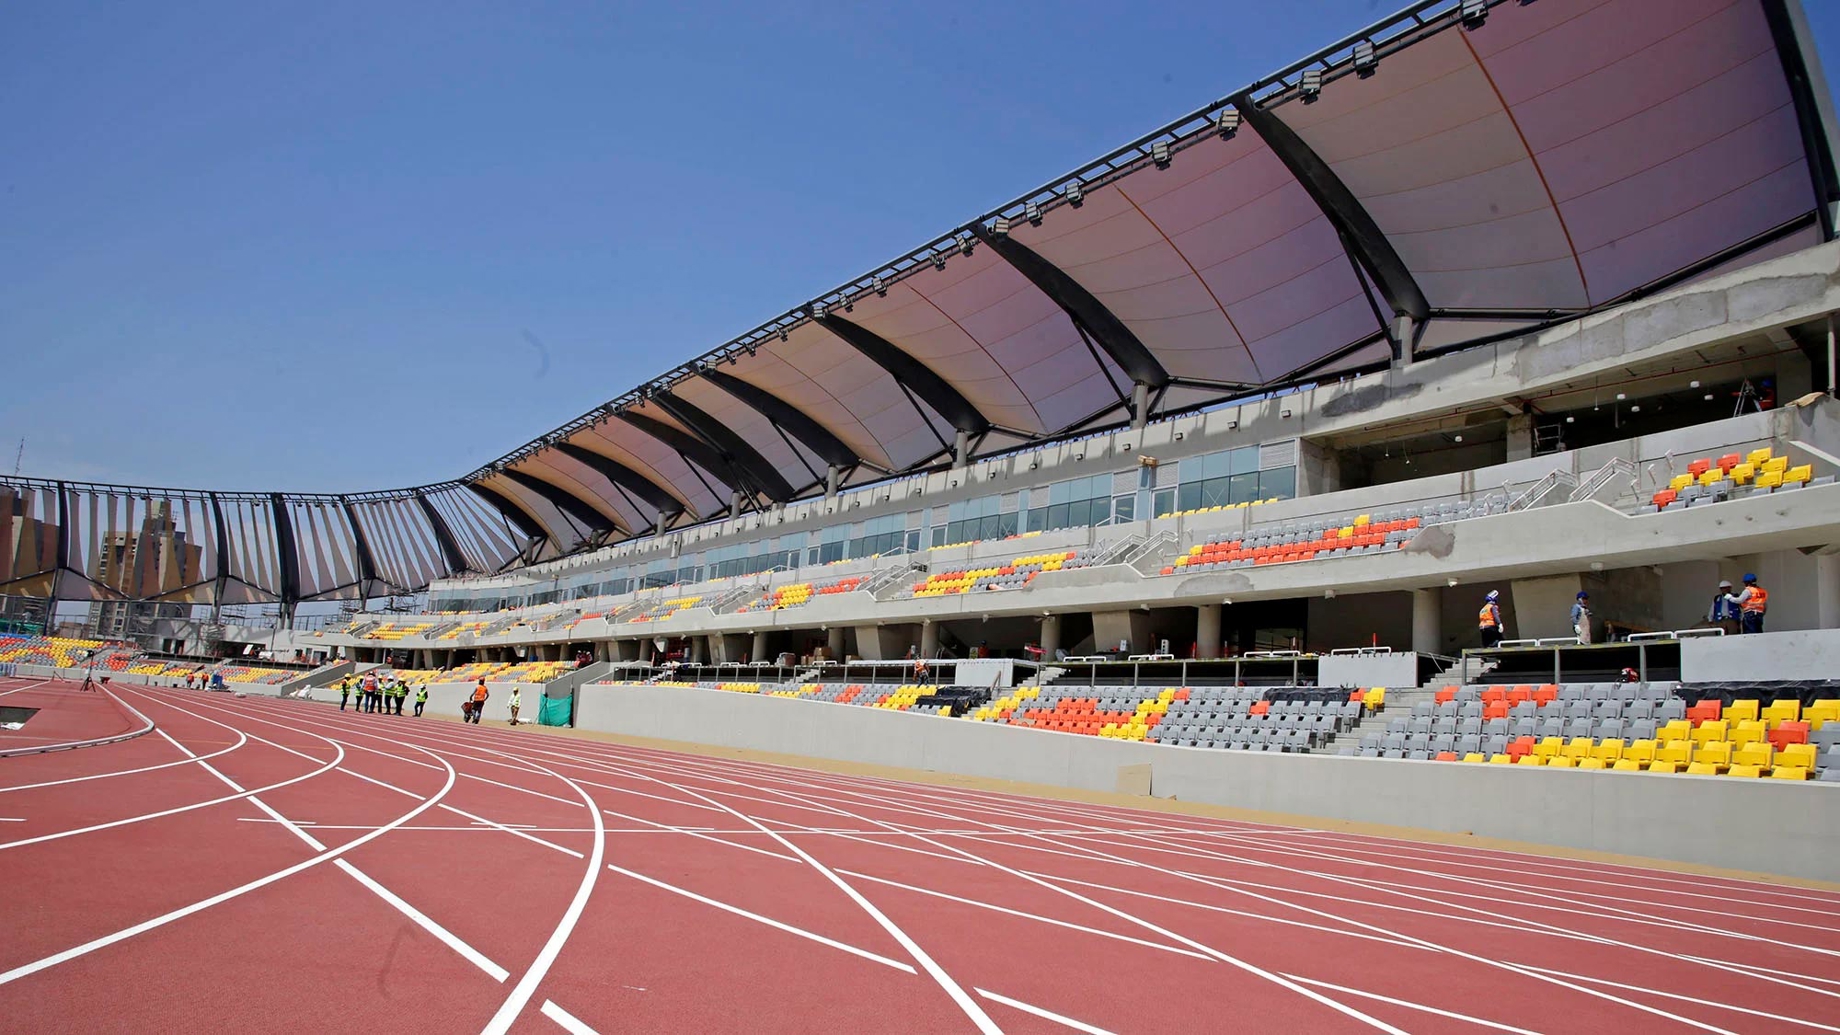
1753	601
421	700
1488	621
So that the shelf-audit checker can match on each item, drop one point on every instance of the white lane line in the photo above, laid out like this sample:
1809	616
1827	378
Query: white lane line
1414	1006
88	947
566	1020
527	985
12	819
1028	916
767	920
241	740
666	828
1046	1015
448	938
1685	998
427	923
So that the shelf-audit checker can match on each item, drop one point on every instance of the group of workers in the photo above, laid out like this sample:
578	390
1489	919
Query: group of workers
381	696
1739	612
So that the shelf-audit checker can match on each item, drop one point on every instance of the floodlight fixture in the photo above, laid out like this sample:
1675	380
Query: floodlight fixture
939	260
1309	84
966	242
880	286
817	310
1000	227
1075	194
1159	153
1472	12
1032	213
1226	123
1366	62
849	303
783	336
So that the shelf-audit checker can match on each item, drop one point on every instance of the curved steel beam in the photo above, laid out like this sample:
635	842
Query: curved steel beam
626	478
916	376
1107	330
443	535
571	505
1332	196
745	459
791	419
287	552
526	521
367	562
693	449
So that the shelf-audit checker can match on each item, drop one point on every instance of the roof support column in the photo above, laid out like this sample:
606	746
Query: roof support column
835	474
961	448
1405	335
1140	405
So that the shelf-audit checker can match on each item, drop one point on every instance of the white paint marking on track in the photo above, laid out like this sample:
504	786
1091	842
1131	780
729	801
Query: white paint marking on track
88	947
1685	998
566	1020
1046	1015
241	740
527	985
12	819
1413	1006
767	920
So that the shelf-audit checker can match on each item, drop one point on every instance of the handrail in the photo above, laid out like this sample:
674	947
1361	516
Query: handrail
1541	489
1616	468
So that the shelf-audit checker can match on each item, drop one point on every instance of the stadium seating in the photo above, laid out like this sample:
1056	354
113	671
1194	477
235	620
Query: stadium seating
1321	539
652	611
1732	476
798	594
57	651
1295	720
1017	573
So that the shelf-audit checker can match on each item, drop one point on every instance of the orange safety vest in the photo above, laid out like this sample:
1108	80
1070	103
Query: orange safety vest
1758	601
1486	619
479	694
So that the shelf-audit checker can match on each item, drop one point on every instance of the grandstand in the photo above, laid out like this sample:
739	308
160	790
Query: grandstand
1292	382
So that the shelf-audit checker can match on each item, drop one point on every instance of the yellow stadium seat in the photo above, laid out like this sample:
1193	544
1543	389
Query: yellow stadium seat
1743	473
1788	772
1797	755
1715	753
1757	456
1750	771
1641	752
1550	747
1710	730
1375	699
1749	731
1592	763
1798	473
1562	762
1776	465
1664	767
1779	712
1608	752
1757	753
1500	760
1769	479
1627	765
1477	756
1712	477
1680	481
1579	748
1702	769
1822	712
1677	752
1738	711
1531	759
1678	729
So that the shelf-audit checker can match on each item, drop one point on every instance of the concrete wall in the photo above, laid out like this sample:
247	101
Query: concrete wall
1801	654
1762	825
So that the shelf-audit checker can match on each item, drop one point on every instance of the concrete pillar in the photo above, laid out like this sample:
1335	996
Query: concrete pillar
1207	631
1406	330
1428	620
834	645
1827	591
760	648
929	639
961	449
1050	636
1140	404
831	478
1520	436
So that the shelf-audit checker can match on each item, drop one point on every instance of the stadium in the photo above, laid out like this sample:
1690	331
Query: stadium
1157	603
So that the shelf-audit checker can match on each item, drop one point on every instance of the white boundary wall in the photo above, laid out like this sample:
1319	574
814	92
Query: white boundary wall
1768	826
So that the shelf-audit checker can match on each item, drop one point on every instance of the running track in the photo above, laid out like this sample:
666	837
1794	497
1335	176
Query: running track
261	864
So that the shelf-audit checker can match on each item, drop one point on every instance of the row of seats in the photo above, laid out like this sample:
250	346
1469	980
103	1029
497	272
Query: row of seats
1317	539
1014	575
1244	718
798	594
58	651
1709	480
392	631
656	611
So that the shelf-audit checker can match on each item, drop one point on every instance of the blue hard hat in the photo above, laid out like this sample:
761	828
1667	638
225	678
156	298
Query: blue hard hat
1494	593
1582	594
1748	577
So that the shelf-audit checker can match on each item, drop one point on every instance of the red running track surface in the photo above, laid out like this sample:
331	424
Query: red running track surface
258	864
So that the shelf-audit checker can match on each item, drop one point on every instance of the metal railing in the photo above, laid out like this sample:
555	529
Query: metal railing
1536	493
1618	470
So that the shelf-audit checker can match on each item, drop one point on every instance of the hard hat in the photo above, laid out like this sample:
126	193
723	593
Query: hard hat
1749	577
1724	584
1494	594
1583	595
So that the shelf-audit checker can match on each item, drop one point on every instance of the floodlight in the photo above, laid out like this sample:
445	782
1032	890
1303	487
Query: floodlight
817	310
1000	227
880	287
849	303
1310	85
1075	194
783	336
939	260
1159	153
1473	12
1032	213
966	242
1226	123
1365	61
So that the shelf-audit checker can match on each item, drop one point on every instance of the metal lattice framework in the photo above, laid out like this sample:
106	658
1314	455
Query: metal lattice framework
1463	171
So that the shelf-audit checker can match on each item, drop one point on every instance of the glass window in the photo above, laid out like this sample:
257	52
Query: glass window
1279	483
1163	503
1243	459
1215	465
1245	487
1124	508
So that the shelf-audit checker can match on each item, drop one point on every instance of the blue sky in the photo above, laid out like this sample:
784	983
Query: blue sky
335	247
